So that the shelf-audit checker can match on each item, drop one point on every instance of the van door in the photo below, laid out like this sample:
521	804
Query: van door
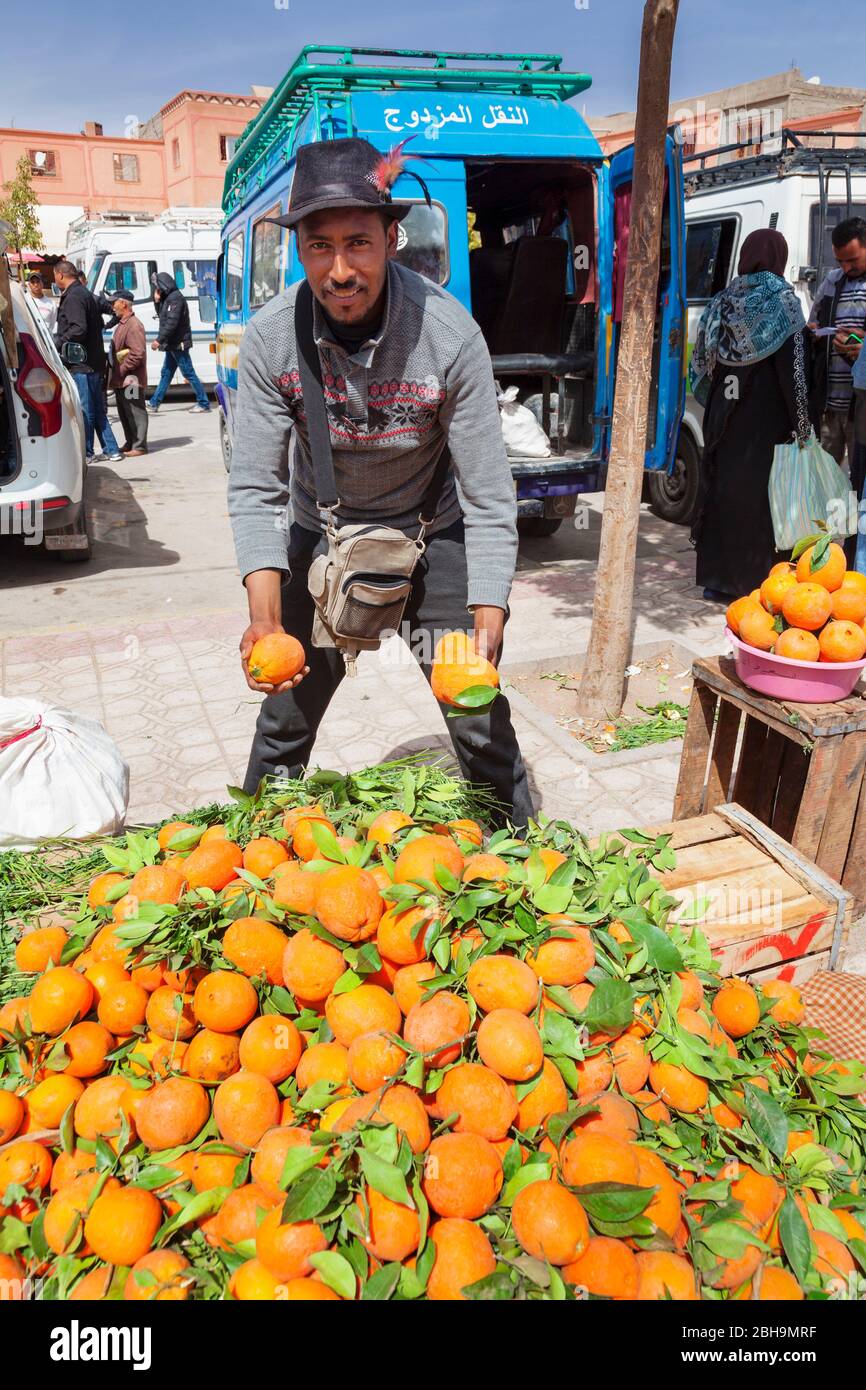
668	377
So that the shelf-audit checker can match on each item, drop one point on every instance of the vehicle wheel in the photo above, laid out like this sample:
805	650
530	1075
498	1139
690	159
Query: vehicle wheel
81	553
674	496
538	525
225	443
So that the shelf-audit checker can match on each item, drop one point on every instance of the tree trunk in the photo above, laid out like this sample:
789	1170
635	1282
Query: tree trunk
601	687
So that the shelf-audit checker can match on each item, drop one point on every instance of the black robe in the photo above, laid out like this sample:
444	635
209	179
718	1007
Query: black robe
749	411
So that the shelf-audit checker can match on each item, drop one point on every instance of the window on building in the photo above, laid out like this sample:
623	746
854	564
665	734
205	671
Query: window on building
227	147
234	271
43	164
197	282
175	153
265	267
709	251
822	257
126	168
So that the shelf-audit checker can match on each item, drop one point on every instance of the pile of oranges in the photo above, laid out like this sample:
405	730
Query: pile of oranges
805	613
381	1059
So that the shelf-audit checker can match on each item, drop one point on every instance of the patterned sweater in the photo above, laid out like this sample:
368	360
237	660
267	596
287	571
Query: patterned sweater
424	377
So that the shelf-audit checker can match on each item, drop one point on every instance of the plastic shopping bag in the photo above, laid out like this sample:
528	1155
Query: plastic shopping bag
521	431
806	486
61	776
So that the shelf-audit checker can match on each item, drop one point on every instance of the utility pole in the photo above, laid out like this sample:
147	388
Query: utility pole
601	686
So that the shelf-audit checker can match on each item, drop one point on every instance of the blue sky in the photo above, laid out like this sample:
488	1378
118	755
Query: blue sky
102	61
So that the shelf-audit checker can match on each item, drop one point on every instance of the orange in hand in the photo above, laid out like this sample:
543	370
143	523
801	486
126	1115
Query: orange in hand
457	667
276	658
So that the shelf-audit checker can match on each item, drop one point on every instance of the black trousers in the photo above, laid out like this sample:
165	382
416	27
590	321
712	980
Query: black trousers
133	419
484	743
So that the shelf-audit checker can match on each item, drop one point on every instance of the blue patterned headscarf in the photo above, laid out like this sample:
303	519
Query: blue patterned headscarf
745	323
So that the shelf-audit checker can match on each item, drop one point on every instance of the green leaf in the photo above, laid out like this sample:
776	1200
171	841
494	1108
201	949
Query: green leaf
823	1219
803	545
385	1178
561	1036
476	697
197	1205
551	897
612	1201
767	1119
67	1133
309	1195
299	1160
610	1008
186	839
530	1172
794	1235
381	1285
336	1272
662	954
493	1288
821	554
728	1239
326	841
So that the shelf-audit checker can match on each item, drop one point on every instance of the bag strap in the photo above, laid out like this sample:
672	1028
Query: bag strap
804	425
310	370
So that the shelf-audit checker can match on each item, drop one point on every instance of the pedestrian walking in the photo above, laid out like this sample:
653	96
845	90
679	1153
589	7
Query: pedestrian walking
174	338
840	303
128	360
406	376
748	369
78	336
45	303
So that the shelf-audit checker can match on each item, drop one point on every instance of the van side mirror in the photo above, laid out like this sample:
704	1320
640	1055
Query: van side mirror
73	354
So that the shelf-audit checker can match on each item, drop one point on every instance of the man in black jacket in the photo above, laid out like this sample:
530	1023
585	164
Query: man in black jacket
175	340
80	322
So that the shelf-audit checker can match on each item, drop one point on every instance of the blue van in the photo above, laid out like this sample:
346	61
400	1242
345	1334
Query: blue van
527	227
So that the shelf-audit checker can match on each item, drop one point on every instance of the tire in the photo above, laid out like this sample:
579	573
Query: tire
674	496
225	443
82	555
538	525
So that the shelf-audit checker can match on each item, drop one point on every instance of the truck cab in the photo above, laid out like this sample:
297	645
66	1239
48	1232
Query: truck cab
527	226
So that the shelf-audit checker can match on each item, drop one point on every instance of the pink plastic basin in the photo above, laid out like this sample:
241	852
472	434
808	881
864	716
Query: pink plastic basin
806	682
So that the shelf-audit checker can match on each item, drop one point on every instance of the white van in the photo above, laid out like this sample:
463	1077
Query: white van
183	243
801	190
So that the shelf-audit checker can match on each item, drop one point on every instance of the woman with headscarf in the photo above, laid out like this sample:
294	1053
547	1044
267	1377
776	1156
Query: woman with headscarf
748	371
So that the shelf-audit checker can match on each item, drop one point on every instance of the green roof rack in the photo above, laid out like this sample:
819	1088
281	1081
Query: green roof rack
332	71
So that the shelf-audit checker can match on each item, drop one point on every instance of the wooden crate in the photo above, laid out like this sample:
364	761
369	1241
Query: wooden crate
798	768
770	912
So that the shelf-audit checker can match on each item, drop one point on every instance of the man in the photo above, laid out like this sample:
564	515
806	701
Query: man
840	303
129	374
80	322
45	303
405	370
175	340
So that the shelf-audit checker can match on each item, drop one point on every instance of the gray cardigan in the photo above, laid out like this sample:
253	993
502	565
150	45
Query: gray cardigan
425	376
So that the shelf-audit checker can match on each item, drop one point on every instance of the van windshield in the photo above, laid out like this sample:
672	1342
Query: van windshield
197	280
96	266
422	242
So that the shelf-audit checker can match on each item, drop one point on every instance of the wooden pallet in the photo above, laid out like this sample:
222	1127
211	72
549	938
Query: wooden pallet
798	768
769	911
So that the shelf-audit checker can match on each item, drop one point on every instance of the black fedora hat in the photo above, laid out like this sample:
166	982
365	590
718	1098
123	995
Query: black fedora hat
348	173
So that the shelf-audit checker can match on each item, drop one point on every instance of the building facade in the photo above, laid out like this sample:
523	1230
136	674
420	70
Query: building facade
751	115
177	158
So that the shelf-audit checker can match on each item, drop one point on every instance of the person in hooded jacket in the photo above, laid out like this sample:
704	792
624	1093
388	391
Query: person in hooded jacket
175	340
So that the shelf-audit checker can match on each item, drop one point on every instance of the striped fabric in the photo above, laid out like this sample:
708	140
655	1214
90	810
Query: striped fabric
851	318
